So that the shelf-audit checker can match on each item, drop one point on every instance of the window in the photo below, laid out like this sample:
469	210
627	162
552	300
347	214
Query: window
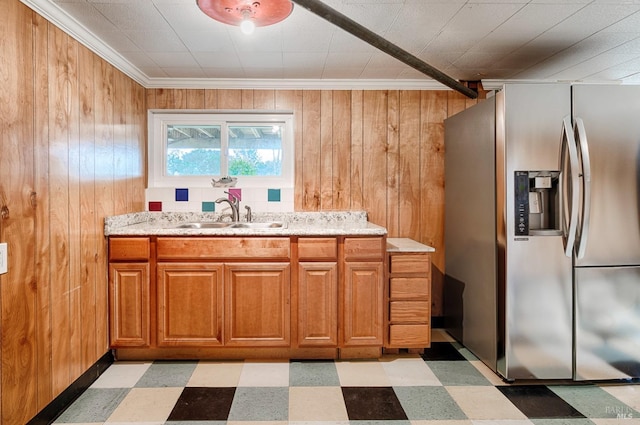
191	148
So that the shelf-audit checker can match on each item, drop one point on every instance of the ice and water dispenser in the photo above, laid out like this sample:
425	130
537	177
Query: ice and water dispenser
537	203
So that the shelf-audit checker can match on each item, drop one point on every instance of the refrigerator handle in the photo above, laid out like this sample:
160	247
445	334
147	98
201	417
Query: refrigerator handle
586	184
569	169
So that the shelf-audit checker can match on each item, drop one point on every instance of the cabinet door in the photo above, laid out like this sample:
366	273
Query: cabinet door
257	308
318	304
129	304
189	304
363	304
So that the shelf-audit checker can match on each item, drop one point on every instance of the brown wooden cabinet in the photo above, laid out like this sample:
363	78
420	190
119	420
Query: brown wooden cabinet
235	297
363	292
213	292
129	295
317	292
257	304
409	309
189	304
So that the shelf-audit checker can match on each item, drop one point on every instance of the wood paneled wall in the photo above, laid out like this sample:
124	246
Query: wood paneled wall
378	151
72	151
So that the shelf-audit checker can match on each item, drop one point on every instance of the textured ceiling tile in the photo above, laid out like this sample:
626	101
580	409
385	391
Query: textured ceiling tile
465	39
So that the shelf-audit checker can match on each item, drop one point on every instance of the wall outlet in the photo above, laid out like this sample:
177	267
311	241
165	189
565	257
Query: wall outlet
3	258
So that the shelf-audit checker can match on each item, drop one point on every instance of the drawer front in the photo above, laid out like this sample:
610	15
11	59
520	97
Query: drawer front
223	248
410	263
129	249
407	336
310	249
363	249
410	287
409	312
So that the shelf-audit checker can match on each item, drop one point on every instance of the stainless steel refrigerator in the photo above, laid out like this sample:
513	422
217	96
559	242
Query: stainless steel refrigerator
542	231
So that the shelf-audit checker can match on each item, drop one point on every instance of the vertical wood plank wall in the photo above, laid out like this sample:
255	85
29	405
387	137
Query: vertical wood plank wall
379	151
72	151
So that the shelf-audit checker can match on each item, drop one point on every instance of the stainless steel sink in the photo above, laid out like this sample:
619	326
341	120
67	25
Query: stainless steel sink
204	225
257	225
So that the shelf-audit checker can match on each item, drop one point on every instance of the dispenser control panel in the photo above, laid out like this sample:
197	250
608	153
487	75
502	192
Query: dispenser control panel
536	209
522	203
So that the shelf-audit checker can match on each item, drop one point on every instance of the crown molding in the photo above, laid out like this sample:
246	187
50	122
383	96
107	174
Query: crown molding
294	84
57	16
490	84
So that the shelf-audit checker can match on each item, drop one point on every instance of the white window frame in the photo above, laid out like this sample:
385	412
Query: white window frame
157	123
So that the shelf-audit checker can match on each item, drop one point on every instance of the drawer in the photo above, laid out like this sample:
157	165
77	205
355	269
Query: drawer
409	311
410	287
410	336
129	249
363	249
310	249
410	263
213	248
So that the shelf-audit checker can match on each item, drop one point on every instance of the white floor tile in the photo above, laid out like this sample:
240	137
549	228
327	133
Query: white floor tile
121	375
409	372
216	374
484	403
264	374
317	404
368	373
146	405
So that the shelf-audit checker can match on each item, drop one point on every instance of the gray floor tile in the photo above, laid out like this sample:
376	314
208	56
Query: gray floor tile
313	374
428	403
594	402
565	421
167	374
260	404
457	373
94	405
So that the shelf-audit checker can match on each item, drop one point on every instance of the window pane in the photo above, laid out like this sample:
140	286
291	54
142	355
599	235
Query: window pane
193	150
255	150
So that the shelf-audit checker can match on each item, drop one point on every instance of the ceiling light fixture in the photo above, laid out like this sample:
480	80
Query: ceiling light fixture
247	26
247	14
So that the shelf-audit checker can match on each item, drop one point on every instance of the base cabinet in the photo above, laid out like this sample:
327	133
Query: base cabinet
247	297
129	305
318	304
363	292
189	304
363	301
409	295
257	304
129	292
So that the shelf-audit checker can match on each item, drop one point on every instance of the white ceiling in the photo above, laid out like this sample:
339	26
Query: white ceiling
164	43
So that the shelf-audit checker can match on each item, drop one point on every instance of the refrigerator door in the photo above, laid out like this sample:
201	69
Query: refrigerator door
611	116
534	276
607	323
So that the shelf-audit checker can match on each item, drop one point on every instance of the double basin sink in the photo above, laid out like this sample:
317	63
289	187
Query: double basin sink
232	225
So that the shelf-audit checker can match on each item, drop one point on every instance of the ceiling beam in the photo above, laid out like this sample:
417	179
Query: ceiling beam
354	28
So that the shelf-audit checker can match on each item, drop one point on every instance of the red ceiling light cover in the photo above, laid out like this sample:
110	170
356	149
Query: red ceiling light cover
232	12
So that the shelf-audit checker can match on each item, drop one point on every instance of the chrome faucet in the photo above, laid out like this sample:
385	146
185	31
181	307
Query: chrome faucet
234	203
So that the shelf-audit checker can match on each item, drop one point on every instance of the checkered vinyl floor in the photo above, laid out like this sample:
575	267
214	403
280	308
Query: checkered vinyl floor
445	386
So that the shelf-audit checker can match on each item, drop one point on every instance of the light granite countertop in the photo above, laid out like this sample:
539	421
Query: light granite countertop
407	245
295	224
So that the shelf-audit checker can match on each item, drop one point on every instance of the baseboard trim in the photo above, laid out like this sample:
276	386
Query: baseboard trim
73	391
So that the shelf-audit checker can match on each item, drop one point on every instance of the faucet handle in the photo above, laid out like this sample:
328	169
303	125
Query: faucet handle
234	198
